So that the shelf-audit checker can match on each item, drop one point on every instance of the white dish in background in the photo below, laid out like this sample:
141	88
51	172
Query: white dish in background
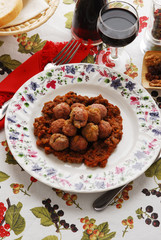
26	22
137	150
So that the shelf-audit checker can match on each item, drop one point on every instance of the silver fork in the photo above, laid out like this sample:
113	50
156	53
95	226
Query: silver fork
63	57
66	54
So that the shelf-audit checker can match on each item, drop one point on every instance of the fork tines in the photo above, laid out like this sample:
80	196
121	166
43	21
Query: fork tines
67	53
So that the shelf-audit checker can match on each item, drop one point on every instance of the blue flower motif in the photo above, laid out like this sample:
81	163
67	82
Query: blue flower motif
138	166
154	115
34	86
14	135
130	85
31	97
140	154
100	185
51	171
78	186
70	69
116	83
90	68
157	131
36	168
12	119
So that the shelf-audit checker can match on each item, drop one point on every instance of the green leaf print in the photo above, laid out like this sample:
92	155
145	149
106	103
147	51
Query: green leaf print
109	236
50	238
10	159
19	238
89	59
37	44
43	214
154	170
14	219
103	227
8	62
3	176
32	44
69	17
85	236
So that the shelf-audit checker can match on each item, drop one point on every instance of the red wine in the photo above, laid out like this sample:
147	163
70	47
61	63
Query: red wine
85	17
117	27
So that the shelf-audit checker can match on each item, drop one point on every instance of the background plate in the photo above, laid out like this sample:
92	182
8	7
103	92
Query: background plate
31	23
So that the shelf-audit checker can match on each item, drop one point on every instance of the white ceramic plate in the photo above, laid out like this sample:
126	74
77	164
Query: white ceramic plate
137	150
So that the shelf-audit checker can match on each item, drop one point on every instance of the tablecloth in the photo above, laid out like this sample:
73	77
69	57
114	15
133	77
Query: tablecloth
32	207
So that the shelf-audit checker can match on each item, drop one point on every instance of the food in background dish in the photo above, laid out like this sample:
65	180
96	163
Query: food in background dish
153	75
77	136
9	10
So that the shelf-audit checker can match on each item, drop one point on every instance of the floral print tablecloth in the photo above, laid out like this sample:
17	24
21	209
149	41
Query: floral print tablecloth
31	210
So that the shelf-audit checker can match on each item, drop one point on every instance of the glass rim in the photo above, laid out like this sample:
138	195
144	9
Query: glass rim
107	4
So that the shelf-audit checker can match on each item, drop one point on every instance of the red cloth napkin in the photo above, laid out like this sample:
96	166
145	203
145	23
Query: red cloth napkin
34	65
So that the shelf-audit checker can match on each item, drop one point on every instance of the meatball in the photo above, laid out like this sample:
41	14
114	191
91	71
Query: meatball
69	129
62	110
101	107
94	115
59	142
81	105
105	129
78	143
57	125
79	117
90	132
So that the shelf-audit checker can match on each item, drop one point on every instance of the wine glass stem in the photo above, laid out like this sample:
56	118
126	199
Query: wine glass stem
114	52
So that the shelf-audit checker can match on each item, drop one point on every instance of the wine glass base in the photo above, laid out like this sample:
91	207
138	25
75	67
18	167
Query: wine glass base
117	64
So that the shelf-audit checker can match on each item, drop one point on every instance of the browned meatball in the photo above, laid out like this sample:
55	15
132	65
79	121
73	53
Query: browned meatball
78	143
101	107
59	142
94	115
69	129
81	105
57	125
90	132
62	110
105	129
79	117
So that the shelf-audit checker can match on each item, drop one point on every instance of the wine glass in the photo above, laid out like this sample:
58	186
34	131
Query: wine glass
117	25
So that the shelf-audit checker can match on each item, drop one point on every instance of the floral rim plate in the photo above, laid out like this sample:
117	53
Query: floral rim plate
136	151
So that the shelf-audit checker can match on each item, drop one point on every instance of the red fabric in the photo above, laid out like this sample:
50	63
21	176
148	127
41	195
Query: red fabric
34	65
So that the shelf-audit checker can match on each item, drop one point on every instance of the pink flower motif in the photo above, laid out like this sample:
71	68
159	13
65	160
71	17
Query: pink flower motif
108	185
146	116
104	73
63	68
68	76
65	182
51	84
113	77
32	153
147	152
152	144
82	73
134	101
142	23
23	99
119	170
18	106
